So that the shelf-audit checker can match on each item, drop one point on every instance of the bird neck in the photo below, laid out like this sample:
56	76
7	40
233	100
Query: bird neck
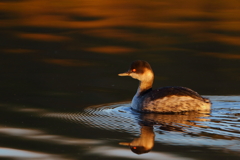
143	87
145	83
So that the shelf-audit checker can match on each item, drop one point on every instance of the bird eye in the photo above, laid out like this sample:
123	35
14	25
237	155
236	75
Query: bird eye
134	70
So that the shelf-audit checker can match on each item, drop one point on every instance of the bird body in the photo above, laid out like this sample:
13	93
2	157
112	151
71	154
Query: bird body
165	99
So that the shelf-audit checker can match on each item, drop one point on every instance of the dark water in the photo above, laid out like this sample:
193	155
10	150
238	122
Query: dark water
60	93
31	132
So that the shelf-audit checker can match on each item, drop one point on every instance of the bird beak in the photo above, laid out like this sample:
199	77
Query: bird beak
124	74
124	143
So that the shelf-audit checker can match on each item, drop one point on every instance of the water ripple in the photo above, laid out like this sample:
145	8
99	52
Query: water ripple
220	128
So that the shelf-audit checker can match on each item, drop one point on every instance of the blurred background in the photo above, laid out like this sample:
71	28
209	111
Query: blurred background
58	57
62	53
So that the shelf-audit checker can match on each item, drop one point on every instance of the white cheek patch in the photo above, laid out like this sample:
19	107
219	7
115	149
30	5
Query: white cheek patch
135	76
144	77
147	76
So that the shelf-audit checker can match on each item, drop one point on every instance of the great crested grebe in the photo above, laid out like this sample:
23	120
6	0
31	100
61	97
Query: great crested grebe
165	99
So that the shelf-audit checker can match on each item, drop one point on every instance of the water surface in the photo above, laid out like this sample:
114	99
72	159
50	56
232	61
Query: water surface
61	98
98	130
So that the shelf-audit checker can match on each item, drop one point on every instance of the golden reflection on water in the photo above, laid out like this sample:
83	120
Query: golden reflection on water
171	122
43	37
195	19
179	36
111	50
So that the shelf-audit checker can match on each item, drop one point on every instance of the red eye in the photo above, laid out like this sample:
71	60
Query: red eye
134	147
134	70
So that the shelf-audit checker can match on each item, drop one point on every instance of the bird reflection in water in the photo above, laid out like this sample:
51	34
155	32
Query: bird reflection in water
144	143
166	122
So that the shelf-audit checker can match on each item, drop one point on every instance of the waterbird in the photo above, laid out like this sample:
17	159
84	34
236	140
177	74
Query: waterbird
170	99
